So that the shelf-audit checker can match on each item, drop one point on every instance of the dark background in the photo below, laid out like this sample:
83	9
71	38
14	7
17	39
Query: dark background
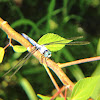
67	18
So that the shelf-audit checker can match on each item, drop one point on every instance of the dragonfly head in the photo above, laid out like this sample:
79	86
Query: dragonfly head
47	53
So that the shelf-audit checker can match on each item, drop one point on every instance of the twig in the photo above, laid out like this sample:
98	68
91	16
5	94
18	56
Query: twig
53	80
79	61
51	64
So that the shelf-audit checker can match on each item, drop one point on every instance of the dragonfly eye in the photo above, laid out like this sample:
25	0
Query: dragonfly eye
47	53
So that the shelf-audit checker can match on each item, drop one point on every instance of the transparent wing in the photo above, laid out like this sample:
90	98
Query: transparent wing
65	41
72	43
51	38
20	63
75	38
57	44
77	43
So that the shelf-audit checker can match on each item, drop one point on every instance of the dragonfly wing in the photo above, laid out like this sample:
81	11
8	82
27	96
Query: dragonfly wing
78	43
55	46
55	42
58	44
71	43
75	38
50	39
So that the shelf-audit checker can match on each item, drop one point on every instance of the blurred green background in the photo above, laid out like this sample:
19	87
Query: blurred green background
67	18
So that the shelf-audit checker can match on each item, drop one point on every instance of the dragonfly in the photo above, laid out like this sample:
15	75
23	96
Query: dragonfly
47	43
42	49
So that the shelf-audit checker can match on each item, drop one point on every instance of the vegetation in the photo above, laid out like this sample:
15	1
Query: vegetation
36	18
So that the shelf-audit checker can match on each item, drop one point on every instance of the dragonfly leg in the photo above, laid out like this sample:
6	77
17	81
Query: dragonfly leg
46	61
41	59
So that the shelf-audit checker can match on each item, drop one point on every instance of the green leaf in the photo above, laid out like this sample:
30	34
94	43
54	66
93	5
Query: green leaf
48	98
98	98
18	48
2	52
96	92
53	39
84	88
43	97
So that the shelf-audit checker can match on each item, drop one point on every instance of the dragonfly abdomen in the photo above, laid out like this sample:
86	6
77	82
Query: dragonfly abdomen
43	50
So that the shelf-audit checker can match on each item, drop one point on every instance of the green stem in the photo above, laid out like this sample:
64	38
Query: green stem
28	89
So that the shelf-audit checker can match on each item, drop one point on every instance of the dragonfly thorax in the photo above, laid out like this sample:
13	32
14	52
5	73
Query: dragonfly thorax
47	53
43	50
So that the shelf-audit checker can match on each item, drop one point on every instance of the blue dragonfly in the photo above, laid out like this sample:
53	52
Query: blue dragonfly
42	49
47	43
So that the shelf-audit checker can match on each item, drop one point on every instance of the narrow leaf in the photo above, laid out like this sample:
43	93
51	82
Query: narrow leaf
43	97
18	48
2	52
48	98
28	89
98	48
52	39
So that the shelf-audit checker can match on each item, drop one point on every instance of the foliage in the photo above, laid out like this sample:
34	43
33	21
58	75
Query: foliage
36	18
82	89
18	48
1	54
50	38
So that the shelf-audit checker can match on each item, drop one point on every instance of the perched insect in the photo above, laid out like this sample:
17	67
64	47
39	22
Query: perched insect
47	43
